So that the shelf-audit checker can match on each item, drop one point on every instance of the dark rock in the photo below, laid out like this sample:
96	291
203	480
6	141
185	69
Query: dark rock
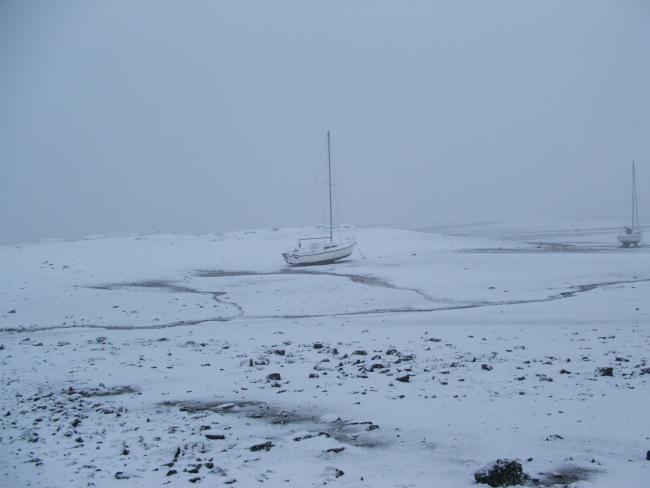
338	473
280	352
317	345
337	450
125	451
564	371
266	446
171	472
12	311
274	377
215	437
553	437
121	476
313	375
194	480
404	379
607	371
647	456
486	367
503	472
360	352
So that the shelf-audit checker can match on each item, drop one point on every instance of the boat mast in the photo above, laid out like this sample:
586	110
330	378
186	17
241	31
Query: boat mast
329	170
635	207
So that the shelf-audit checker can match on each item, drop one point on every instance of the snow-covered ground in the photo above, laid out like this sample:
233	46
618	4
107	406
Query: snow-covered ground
163	360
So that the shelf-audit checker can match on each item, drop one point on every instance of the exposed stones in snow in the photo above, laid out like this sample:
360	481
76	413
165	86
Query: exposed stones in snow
211	419
215	437
564	476
554	437
502	472
606	371
263	446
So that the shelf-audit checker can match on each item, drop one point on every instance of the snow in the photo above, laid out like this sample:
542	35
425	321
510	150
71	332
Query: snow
194	326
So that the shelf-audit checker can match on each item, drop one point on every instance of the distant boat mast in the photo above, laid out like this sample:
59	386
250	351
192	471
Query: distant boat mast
635	205
329	172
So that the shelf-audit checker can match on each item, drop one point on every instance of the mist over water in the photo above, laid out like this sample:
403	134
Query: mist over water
209	116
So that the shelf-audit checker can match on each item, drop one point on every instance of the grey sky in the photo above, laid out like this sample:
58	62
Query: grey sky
207	115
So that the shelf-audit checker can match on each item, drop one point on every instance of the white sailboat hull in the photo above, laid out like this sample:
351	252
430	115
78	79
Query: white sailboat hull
630	239
322	255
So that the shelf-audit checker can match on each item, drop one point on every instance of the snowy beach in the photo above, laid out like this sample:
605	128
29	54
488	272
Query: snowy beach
162	360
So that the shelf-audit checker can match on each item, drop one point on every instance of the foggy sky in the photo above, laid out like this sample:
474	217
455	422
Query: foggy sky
210	115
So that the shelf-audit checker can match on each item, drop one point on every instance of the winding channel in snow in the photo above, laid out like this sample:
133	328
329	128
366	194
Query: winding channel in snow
355	278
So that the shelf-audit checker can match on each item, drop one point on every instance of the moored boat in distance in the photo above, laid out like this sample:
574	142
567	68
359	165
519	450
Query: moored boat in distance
632	235
321	250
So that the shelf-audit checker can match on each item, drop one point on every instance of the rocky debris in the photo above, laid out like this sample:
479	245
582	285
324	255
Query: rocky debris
565	476
102	391
215	437
274	377
260	361
564	371
404	379
502	472
171	472
120	475
606	371
266	446
313	375
554	437
647	456
486	367
337	450
335	472
317	345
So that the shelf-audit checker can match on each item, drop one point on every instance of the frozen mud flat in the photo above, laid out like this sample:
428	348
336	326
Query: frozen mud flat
178	360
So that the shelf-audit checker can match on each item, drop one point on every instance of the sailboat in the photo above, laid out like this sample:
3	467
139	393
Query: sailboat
321	250
632	235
